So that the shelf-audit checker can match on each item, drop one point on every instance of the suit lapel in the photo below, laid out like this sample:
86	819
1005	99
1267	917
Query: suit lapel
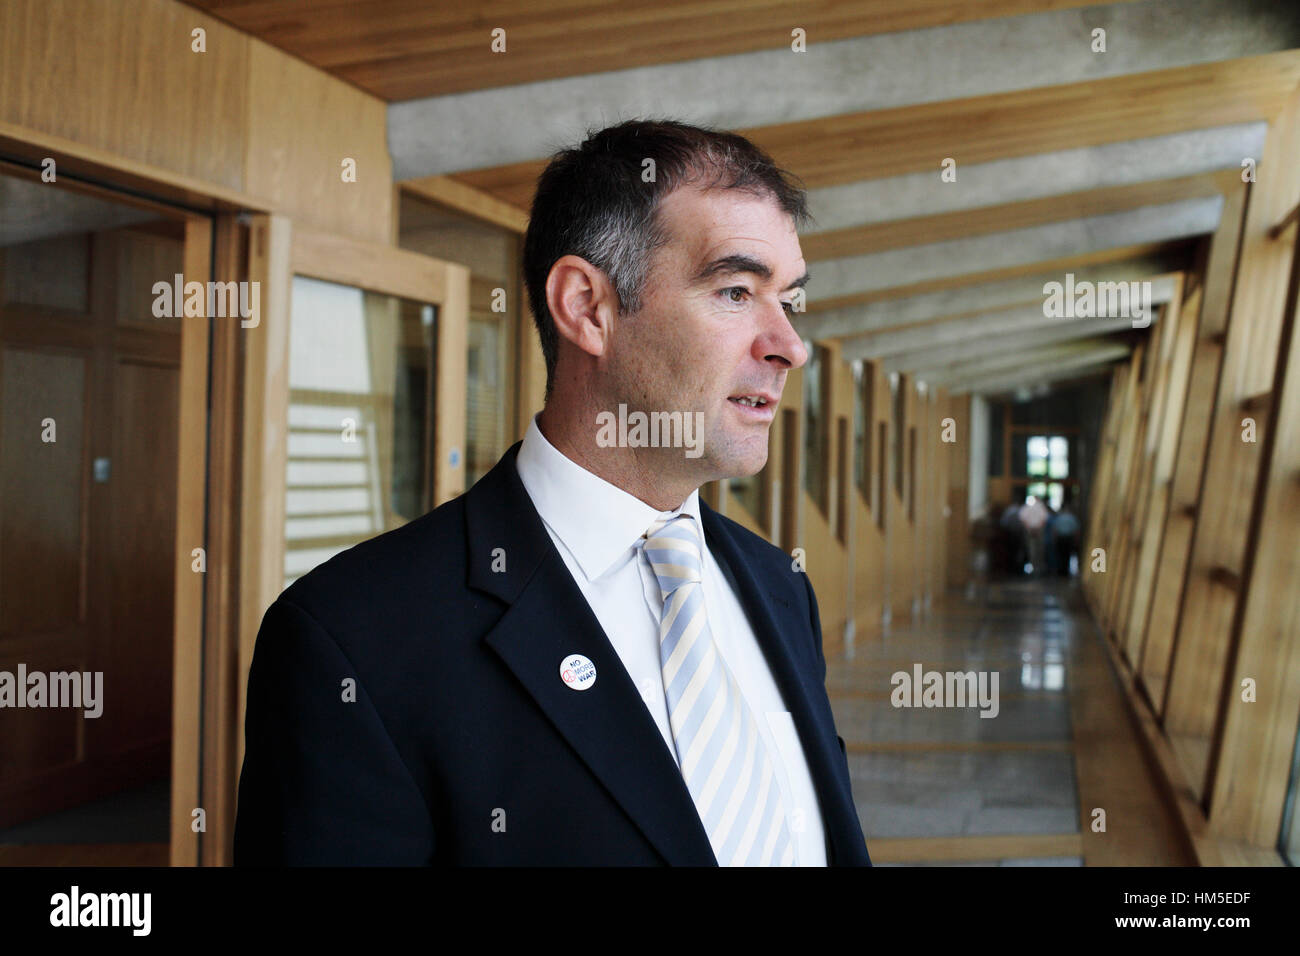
548	620
772	619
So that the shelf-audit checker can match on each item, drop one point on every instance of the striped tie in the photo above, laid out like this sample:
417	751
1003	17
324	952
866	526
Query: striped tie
723	761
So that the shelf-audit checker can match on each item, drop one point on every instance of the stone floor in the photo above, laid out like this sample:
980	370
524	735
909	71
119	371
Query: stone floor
943	785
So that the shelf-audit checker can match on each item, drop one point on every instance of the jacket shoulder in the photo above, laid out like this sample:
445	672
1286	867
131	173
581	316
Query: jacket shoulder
755	546
404	561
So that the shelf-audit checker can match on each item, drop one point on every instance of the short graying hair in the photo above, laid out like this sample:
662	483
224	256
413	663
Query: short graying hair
592	202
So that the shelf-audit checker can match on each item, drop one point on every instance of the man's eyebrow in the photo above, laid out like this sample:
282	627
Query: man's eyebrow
739	262
728	265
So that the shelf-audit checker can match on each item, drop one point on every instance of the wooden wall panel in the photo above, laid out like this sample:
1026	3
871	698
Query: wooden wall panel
939	512
301	126
1100	525
825	560
1230	623
1141	545
826	555
957	560
1216	284
871	555
241	122
42	539
1169	422
1251	761
868	576
170	107
137	658
1232	465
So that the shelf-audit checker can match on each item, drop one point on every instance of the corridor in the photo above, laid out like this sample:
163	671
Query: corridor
945	786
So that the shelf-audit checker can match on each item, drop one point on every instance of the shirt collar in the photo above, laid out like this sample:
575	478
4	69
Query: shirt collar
598	522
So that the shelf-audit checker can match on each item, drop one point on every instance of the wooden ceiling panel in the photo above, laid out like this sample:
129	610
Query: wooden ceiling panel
409	49
880	143
1174	255
983	220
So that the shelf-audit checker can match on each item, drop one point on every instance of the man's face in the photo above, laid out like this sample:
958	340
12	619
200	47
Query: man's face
714	328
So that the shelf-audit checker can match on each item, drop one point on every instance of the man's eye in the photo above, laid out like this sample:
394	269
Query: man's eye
788	306
728	294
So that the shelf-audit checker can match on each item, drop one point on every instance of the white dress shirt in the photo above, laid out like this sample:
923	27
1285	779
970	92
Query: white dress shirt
596	526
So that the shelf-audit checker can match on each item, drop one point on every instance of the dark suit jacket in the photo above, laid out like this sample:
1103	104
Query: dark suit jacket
463	745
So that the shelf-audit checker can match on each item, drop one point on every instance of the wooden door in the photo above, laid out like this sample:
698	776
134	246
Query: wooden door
88	447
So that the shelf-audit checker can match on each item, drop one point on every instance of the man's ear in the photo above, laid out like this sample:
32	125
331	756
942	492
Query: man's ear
583	303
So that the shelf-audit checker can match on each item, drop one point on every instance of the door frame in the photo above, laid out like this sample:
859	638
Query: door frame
22	159
278	251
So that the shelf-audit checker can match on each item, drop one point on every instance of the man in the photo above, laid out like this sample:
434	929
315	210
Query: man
578	661
1033	518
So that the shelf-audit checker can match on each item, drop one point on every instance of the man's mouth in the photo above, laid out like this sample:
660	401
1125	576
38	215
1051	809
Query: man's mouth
756	407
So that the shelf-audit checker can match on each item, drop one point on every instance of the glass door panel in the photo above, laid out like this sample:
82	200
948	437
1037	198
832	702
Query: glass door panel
361	418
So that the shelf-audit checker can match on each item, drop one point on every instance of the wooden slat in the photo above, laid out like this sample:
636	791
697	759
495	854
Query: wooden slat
1285	223
223	732
191	481
1173	255
264	441
399	49
467	199
1185	488
984	220
947	849
871	145
1225	577
1185	313
84	854
366	265
1205	635
1252	759
1257	403
959	746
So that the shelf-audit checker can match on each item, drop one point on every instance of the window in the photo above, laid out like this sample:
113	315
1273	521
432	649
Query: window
747	491
1047	457
485	408
895	387
881	476
863	387
816	445
361	418
1289	839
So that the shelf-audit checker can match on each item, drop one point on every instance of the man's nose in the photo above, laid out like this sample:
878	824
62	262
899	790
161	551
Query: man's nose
780	342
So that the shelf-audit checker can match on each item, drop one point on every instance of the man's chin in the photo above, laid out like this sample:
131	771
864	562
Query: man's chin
742	466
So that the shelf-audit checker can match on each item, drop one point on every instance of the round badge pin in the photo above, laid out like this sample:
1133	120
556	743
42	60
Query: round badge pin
577	672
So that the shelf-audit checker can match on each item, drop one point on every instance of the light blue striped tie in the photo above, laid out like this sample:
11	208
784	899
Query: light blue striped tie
723	760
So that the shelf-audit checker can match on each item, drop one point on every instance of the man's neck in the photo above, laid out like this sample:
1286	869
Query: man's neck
621	467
